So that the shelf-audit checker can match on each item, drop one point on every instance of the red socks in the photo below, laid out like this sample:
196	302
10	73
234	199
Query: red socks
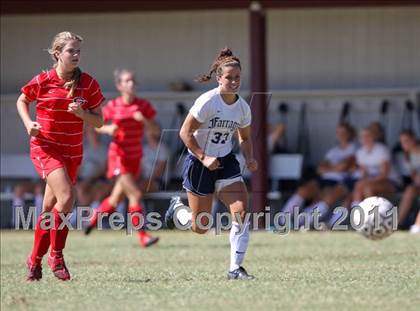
58	236
41	240
135	209
136	219
105	207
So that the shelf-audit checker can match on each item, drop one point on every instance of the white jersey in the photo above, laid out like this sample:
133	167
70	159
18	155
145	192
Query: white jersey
336	155
373	160
219	122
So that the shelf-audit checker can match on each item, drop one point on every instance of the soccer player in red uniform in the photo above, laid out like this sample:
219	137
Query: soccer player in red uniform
128	115
65	98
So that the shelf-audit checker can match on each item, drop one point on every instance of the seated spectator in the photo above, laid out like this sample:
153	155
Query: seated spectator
374	174
329	187
155	159
339	159
412	191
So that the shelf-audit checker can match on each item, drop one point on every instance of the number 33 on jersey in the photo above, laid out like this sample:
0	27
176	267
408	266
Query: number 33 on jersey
219	122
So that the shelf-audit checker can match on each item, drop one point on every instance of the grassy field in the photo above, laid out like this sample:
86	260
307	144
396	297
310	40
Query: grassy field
301	271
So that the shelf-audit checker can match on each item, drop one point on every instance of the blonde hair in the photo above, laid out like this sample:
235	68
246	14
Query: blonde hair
57	45
225	58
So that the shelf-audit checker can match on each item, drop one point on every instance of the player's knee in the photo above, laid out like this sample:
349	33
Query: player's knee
66	200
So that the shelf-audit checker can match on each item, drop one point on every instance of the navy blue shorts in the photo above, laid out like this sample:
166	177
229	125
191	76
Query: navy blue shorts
199	180
325	183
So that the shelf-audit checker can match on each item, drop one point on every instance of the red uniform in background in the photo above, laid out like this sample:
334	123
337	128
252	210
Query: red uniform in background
60	140
125	150
125	153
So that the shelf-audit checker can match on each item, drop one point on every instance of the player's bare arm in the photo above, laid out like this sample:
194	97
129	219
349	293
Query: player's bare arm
22	104
188	128
108	129
245	142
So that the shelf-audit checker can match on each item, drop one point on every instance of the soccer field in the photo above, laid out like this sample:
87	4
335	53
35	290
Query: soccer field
300	271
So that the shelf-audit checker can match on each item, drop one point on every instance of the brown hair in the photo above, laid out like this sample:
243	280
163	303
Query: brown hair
350	129
409	133
224	58
377	131
57	45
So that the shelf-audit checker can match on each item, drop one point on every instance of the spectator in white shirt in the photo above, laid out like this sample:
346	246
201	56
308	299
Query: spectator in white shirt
331	186
374	174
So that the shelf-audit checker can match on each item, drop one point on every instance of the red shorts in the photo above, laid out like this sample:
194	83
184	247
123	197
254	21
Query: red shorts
47	159
118	165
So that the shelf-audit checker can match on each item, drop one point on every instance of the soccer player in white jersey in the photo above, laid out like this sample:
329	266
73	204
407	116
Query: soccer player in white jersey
210	167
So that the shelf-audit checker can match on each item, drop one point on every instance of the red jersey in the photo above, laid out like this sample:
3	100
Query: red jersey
127	141
60	129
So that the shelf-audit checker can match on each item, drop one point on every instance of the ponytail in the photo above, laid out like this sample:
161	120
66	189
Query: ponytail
223	59
74	82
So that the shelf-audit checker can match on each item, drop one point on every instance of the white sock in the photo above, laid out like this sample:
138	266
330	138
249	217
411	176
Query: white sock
415	229
238	244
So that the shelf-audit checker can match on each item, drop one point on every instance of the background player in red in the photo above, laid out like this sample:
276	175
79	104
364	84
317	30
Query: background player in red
65	98
128	115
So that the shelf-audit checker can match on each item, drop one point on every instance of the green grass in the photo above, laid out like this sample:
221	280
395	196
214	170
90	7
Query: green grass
301	271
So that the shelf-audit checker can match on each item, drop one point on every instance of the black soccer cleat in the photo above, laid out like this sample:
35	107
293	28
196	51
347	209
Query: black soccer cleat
170	213
239	274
